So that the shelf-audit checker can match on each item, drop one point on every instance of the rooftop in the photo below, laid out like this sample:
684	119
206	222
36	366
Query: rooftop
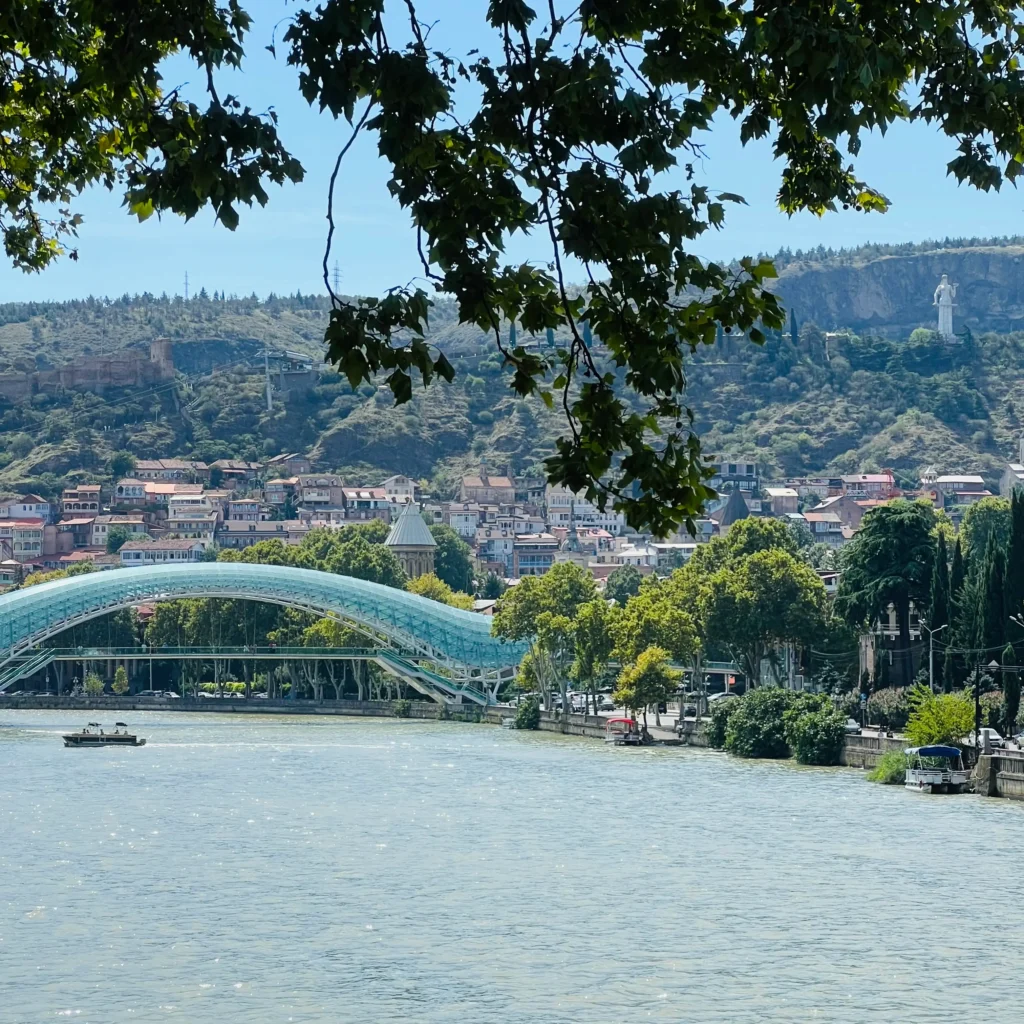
868	478
163	545
410	531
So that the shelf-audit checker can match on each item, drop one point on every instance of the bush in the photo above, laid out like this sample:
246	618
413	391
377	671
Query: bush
891	769
528	713
756	727
939	717
718	719
93	685
889	707
815	734
993	712
402	709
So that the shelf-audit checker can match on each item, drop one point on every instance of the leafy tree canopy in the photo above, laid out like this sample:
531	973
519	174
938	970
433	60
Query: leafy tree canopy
988	519
429	585
623	583
566	131
453	562
939	717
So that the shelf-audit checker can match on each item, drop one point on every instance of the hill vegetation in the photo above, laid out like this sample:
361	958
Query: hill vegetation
830	401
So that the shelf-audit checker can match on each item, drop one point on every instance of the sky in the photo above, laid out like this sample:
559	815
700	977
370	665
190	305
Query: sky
279	248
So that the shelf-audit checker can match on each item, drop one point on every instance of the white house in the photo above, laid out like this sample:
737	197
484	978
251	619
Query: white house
159	552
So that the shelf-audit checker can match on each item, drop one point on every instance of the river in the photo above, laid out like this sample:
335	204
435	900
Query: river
301	870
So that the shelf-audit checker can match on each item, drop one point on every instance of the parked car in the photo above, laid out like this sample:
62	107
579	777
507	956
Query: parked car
716	697
852	727
995	741
607	704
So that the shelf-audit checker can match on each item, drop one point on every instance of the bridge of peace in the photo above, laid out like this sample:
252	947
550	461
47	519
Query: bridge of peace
445	653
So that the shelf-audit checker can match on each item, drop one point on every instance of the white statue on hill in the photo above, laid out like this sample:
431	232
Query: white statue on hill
944	295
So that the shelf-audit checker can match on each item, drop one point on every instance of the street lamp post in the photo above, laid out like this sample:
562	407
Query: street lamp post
931	653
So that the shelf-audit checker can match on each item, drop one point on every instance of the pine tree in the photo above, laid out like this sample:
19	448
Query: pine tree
938	611
1015	572
794	336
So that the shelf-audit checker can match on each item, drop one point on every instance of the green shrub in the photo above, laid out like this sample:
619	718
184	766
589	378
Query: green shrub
402	709
889	707
756	728
816	736
528	713
891	769
993	711
93	685
718	719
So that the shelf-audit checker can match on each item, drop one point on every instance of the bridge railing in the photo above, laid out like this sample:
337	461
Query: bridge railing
243	652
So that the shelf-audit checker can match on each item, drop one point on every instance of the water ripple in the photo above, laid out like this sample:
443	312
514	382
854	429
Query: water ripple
276	869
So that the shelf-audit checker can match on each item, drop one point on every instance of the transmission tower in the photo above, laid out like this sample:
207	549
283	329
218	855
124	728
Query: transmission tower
186	286
337	278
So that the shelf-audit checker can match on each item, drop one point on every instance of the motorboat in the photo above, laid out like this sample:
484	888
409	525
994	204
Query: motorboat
936	769
623	732
94	735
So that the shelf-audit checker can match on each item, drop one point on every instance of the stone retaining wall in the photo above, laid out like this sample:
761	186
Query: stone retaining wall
257	706
865	751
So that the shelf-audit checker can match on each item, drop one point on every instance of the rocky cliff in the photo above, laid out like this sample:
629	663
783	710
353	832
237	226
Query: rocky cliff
893	294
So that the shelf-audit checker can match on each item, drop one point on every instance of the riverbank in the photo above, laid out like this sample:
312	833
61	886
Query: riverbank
1001	775
261	706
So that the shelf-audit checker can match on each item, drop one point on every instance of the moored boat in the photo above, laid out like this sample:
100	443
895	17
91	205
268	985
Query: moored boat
94	735
623	732
935	769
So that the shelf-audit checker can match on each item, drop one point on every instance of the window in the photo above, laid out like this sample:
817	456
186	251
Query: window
732	469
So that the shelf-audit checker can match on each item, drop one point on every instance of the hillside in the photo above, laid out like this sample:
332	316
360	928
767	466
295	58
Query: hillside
889	289
840	401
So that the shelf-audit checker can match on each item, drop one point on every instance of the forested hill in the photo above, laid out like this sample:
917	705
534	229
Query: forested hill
836	399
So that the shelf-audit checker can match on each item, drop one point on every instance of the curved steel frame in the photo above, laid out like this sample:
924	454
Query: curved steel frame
458	642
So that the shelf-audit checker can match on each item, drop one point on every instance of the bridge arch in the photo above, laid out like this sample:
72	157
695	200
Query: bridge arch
437	648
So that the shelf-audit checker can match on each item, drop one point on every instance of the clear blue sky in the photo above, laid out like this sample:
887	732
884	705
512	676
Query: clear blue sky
279	248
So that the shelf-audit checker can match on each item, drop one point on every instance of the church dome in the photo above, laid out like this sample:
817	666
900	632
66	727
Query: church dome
409	530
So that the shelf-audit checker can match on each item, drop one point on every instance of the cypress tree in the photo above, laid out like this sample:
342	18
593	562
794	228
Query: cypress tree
938	610
794	336
960	632
1015	571
1011	691
949	672
957	573
992	612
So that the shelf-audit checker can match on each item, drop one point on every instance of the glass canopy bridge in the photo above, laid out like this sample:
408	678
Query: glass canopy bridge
445	653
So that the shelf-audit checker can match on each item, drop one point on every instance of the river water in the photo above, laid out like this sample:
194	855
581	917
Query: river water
333	870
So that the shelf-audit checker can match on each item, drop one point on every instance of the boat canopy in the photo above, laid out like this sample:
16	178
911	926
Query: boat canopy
936	751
